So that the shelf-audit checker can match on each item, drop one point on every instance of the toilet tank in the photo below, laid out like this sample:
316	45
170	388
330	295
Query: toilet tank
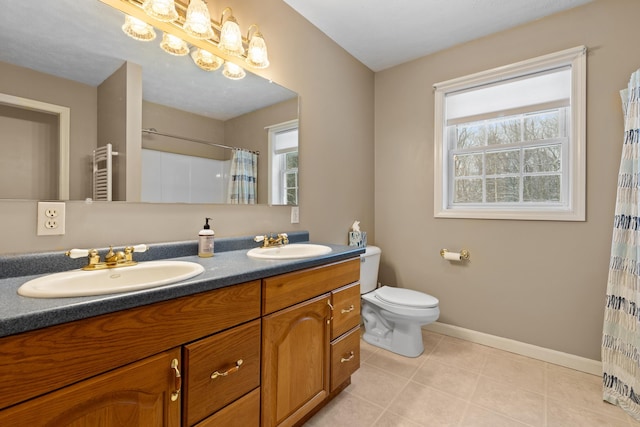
369	262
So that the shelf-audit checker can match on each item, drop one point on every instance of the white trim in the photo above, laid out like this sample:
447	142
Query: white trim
535	352
64	123
575	211
271	131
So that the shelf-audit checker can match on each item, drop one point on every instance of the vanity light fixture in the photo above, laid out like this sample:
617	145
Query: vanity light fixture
162	10
257	52
206	60
174	45
230	35
198	21
137	29
190	26
233	71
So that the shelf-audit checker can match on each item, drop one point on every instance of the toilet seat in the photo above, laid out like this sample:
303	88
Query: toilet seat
405	297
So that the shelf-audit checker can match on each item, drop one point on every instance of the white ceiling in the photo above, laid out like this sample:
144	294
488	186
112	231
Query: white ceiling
383	33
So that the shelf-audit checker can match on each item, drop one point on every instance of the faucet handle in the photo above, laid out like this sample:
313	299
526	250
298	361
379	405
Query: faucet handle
129	250
259	238
139	248
77	253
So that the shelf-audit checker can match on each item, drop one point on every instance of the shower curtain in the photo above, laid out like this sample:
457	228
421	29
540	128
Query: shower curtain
621	332
242	178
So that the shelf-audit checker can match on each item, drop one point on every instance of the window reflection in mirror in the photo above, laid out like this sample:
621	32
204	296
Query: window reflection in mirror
283	163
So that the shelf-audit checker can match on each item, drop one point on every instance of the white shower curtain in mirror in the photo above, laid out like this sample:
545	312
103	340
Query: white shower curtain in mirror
621	333
243	178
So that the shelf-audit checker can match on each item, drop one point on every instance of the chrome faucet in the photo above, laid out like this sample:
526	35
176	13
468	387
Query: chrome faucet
268	241
111	259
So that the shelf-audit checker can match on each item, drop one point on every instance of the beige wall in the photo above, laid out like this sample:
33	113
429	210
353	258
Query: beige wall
336	155
28	165
80	98
539	282
181	123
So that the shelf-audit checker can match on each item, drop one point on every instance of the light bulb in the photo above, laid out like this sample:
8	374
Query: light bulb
162	10
174	45
257	53
198	21
137	29
206	60
233	71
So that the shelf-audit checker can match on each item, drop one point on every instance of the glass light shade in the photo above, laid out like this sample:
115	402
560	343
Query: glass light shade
231	37
233	71
137	29
174	45
206	60
257	53
198	21
162	10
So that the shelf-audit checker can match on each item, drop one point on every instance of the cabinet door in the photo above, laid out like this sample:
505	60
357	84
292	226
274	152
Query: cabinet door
140	394
295	361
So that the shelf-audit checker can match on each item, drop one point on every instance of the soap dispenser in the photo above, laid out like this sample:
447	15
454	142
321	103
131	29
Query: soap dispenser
205	240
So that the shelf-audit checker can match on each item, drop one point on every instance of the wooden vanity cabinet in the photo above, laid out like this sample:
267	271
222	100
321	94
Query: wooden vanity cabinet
299	321
265	353
117	369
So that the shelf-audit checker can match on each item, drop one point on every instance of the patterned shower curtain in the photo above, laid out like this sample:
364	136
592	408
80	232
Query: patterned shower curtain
243	178
621	333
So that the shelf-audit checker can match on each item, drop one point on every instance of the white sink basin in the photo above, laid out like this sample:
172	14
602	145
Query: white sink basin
292	251
76	283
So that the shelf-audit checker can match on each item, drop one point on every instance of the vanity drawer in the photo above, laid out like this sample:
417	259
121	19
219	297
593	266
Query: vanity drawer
244	412
345	357
235	356
346	309
285	290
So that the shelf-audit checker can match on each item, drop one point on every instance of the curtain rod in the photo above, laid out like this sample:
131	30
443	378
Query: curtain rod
199	141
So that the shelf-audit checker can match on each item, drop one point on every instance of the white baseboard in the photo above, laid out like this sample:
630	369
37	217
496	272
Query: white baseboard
547	355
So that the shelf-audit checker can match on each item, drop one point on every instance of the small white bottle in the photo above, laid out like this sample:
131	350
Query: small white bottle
205	240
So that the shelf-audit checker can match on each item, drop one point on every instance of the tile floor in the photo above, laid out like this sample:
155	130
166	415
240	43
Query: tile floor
460	383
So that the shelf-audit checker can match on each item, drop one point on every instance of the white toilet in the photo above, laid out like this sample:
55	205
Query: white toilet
393	316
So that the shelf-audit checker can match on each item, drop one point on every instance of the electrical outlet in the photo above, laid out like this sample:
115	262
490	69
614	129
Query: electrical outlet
51	219
295	214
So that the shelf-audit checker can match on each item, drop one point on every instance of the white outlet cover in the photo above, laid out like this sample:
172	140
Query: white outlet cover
295	214
51	219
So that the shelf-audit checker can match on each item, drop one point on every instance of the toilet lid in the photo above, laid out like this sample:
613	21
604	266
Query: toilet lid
406	297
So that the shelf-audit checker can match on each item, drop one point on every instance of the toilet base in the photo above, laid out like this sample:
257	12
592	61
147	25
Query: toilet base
404	346
397	334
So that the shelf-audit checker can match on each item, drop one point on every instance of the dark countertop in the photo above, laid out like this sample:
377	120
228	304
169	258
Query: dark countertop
229	266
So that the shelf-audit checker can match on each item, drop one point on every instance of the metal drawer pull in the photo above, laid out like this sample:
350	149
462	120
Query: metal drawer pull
348	310
231	370
178	380
348	359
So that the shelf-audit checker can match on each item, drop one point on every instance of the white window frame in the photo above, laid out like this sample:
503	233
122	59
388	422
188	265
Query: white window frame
574	209
276	186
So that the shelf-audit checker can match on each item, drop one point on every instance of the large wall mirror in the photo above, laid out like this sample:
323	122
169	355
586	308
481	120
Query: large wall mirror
175	128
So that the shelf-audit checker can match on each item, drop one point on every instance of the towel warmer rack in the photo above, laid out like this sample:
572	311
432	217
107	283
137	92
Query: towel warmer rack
103	172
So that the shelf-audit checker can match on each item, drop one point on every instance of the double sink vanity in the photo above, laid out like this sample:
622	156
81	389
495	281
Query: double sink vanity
250	340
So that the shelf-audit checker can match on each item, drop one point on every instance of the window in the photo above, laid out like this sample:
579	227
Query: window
283	163
510	142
